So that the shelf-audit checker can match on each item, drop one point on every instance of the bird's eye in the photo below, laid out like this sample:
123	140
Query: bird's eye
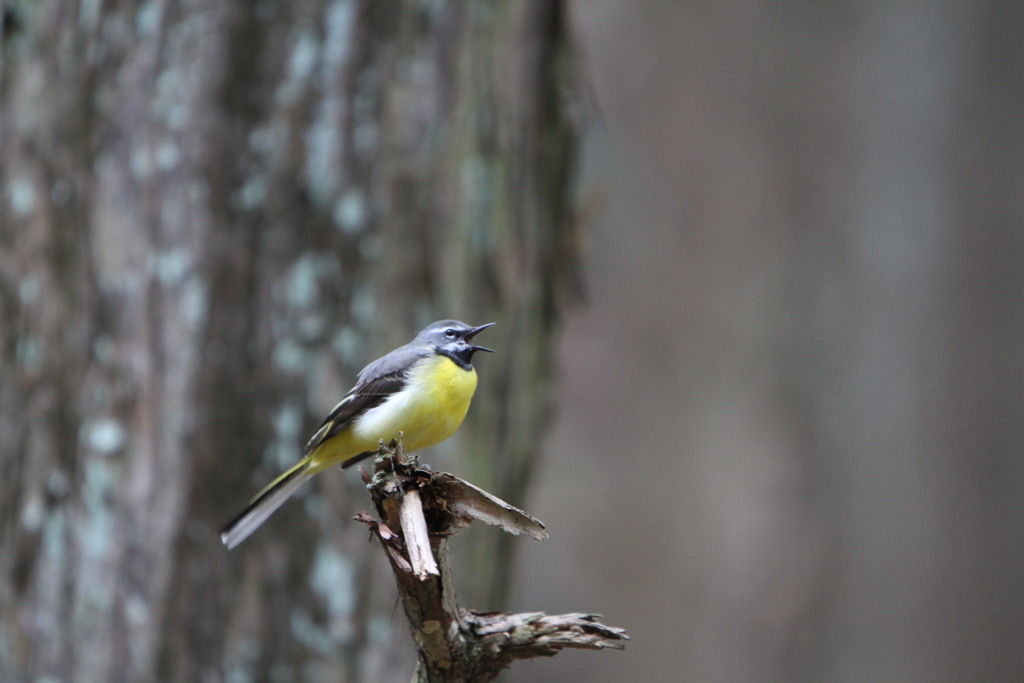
450	333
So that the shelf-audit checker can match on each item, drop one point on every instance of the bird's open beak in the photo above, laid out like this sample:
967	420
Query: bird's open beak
475	331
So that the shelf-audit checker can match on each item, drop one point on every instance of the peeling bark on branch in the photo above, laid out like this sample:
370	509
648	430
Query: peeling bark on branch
418	510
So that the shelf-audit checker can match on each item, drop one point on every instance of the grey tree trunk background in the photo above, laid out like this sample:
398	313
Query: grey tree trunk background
213	214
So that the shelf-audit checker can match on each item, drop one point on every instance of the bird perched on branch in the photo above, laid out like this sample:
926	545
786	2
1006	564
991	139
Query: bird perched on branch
422	389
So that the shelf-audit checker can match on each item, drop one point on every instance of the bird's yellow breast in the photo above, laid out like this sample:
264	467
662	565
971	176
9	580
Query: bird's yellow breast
439	395
426	411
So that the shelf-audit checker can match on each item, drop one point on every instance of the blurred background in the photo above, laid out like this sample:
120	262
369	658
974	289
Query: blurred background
758	273
789	437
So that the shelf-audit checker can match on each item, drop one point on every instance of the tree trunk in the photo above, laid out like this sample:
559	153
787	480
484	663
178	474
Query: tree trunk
213	215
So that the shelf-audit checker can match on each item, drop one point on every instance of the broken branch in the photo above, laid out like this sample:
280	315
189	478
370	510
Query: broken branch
419	510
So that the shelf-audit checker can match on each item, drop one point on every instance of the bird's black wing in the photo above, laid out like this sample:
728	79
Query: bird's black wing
377	381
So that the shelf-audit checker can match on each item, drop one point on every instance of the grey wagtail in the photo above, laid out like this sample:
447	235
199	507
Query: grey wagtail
422	390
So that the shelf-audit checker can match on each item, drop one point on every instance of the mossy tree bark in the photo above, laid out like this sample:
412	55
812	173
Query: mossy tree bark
213	214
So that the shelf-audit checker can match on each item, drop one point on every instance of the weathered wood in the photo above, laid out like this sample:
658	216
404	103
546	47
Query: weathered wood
456	645
467	502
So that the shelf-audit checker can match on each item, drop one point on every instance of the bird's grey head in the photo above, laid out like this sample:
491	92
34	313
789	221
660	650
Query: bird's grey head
452	338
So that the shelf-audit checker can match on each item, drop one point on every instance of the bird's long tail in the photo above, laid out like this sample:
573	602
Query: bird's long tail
264	503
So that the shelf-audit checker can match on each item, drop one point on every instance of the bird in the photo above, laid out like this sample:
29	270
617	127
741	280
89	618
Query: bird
421	391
